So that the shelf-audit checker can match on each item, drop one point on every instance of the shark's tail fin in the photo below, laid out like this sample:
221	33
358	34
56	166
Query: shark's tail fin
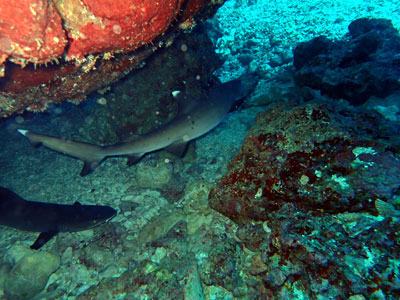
90	154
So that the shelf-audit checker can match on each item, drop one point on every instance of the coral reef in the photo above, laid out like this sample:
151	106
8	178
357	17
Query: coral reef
304	189
85	41
261	34
41	31
309	156
33	89
31	31
309	207
354	69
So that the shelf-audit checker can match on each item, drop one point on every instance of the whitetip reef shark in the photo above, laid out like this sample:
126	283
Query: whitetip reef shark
194	119
49	218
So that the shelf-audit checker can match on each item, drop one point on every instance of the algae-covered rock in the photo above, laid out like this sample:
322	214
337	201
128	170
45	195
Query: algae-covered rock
30	275
196	196
156	176
159	226
4	270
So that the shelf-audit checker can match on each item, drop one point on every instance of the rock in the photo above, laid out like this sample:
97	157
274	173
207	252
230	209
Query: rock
34	28
193	288
159	226
154	176
44	30
275	278
257	267
97	257
30	275
353	69
143	279
196	195
80	39
311	174
4	270
305	52
308	155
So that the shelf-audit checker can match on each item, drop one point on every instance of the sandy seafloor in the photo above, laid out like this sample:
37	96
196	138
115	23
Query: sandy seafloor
274	27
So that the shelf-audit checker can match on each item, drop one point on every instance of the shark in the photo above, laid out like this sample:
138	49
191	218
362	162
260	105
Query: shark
49	218
195	118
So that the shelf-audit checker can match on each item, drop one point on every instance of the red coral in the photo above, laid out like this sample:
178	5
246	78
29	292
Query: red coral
295	157
30	31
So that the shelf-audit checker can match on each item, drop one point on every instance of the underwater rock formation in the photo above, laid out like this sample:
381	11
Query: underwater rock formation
142	101
30	275
365	64
312	156
31	31
87	41
155	176
303	190
47	29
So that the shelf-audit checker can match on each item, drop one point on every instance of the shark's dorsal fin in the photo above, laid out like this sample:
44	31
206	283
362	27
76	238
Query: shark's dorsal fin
76	203
43	238
184	101
177	149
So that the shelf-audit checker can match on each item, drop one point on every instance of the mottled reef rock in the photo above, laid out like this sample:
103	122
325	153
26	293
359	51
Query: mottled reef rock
303	190
363	64
313	156
85	41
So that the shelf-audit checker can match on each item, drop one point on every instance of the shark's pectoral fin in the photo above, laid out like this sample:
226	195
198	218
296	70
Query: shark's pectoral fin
43	238
133	159
89	166
177	149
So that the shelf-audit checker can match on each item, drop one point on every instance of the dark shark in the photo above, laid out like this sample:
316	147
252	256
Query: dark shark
195	118
48	218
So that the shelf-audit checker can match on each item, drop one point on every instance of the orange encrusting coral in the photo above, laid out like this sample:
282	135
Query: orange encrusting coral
30	31
39	31
114	25
83	40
